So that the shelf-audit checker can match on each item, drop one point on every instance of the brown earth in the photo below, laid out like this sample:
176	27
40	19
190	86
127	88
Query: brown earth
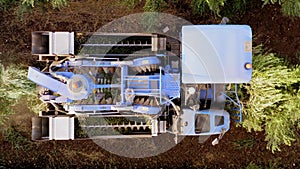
238	148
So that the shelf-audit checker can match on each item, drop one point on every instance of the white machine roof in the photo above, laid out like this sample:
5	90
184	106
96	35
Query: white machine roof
216	53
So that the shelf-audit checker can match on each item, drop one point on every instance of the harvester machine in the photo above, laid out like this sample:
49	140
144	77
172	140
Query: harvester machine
141	84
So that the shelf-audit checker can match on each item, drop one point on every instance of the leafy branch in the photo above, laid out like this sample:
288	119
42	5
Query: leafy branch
288	7
274	102
14	86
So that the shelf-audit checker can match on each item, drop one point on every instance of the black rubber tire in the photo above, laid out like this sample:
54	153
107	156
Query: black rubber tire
36	128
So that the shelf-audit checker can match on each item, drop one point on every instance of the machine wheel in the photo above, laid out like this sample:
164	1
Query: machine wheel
36	128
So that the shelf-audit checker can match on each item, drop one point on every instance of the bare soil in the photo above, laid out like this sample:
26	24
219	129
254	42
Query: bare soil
238	148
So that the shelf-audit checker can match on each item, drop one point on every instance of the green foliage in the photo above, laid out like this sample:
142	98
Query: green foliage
240	144
201	6
130	3
220	7
14	86
234	9
150	5
274	100
288	7
154	5
16	139
24	4
253	166
10	88
13	78
54	3
5	4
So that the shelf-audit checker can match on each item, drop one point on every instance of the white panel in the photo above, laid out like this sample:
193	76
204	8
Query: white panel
154	128
188	122
71	43
154	43
61	128
216	53
71	128
162	127
61	43
51	128
50	42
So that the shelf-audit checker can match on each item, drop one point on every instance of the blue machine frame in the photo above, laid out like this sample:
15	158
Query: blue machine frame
212	55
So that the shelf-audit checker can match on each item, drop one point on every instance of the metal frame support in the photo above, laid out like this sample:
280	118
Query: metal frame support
154	130
236	101
160	85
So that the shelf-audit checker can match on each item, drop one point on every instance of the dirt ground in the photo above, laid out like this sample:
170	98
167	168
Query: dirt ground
238	148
